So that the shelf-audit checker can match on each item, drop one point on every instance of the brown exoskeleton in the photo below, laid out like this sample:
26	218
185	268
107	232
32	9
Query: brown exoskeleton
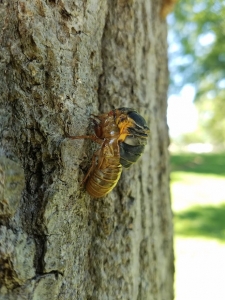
122	134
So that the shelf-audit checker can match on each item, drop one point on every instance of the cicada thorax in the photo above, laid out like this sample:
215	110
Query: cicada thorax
132	147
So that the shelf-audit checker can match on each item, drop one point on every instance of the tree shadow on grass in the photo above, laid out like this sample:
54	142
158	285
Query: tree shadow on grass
206	221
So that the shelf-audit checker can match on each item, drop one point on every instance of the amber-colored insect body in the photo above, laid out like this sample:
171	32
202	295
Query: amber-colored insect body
122	135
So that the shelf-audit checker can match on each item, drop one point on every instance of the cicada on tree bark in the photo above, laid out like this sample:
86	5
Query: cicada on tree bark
122	134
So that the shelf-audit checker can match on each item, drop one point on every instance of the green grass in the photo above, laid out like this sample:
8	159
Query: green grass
199	163
205	221
198	195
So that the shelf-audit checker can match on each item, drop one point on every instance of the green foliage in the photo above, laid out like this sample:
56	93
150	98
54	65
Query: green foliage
197	57
211	117
199	30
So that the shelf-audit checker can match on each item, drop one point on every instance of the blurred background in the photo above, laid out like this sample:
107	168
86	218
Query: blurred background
196	120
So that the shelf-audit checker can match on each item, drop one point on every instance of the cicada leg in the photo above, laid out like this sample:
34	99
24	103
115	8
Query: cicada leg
93	165
97	127
94	138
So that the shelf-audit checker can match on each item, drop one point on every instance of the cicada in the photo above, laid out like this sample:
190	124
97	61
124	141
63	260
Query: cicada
122	135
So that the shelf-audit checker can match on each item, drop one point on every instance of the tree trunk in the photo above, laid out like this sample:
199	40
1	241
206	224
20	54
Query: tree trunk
60	62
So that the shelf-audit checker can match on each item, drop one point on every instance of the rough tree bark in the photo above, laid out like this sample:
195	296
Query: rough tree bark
60	61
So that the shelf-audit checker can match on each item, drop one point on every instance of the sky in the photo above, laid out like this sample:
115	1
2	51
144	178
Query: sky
182	114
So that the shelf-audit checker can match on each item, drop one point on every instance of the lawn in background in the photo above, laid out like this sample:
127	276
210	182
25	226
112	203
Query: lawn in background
199	163
198	195
198	202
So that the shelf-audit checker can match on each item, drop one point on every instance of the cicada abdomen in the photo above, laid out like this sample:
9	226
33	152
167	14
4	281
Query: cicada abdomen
104	178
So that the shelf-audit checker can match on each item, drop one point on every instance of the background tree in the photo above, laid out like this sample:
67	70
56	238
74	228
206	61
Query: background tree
197	58
60	62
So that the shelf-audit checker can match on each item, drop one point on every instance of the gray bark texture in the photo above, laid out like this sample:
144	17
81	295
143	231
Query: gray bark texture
60	62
